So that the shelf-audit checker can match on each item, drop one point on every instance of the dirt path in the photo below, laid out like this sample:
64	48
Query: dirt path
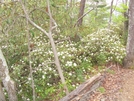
128	87
118	85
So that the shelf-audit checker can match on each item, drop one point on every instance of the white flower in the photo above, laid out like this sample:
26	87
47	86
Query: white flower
50	68
40	69
69	55
43	77
12	66
70	74
83	70
69	63
45	72
29	79
63	57
73	85
75	64
28	99
58	53
50	52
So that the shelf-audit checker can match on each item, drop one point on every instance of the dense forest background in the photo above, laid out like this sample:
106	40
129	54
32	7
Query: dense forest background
52	46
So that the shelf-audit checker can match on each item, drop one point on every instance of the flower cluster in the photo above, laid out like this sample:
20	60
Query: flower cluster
104	46
77	61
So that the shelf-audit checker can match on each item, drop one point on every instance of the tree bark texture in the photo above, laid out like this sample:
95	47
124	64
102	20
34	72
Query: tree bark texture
129	60
84	90
2	96
125	14
111	12
81	12
7	82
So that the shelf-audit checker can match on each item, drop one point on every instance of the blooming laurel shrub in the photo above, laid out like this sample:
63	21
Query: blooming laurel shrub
71	62
47	81
103	46
77	60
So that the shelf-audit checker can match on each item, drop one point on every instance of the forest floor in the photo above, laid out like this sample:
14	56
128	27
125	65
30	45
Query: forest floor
118	85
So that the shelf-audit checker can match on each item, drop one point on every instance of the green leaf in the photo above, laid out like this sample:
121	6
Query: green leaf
32	33
101	89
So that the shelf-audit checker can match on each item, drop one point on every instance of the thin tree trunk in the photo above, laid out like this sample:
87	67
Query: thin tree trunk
7	82
57	62
129	60
30	64
49	35
81	12
111	12
125	14
83	16
126	22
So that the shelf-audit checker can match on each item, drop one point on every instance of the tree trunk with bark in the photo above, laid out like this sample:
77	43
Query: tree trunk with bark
81	12
7	82
111	12
2	97
126	22
126	16
129	59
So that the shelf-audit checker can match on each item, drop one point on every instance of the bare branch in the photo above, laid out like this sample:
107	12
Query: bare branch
31	22
45	13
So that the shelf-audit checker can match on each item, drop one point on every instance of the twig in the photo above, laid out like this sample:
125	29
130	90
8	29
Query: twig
31	22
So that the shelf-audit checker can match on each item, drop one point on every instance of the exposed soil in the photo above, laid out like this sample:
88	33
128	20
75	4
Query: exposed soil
118	85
